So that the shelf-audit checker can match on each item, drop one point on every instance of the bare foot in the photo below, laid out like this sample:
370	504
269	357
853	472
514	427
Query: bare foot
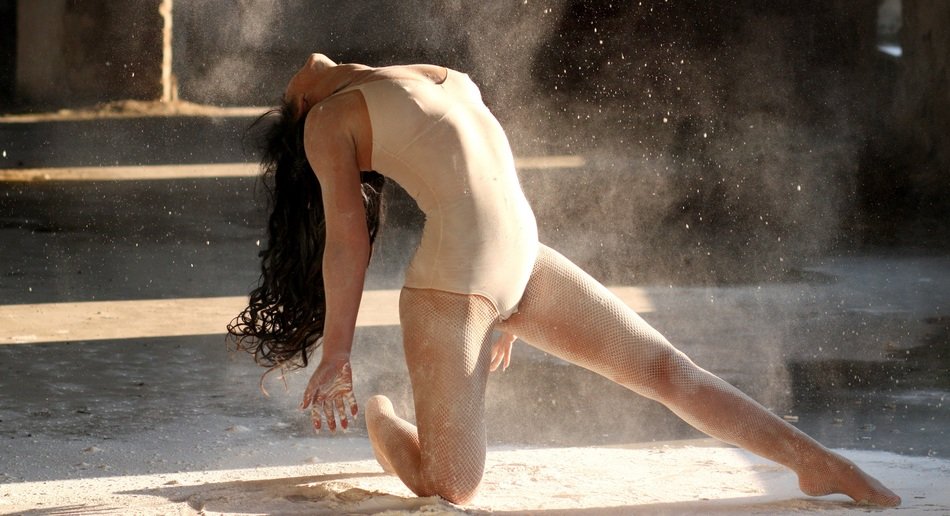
379	405
836	474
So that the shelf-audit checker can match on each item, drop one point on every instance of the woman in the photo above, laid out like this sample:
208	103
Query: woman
478	268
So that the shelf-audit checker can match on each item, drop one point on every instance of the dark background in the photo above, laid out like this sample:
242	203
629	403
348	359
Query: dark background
734	134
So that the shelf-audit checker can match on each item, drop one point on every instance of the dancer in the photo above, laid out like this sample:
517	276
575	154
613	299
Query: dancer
479	267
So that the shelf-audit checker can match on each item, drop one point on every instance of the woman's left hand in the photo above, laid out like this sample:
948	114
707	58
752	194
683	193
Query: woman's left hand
501	351
329	391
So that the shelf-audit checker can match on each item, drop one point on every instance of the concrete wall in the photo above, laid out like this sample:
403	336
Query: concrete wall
73	52
718	111
922	104
730	132
255	45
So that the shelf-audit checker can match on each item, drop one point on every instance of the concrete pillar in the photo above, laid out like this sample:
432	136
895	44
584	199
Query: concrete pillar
169	85
7	51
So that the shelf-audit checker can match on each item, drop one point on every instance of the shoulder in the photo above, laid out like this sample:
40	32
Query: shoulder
334	113
331	134
337	117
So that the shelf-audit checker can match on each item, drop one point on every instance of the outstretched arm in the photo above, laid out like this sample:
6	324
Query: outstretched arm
332	154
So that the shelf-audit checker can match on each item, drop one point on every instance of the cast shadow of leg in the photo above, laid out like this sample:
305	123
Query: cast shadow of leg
317	494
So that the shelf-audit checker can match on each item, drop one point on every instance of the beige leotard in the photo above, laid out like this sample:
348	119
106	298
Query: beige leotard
444	147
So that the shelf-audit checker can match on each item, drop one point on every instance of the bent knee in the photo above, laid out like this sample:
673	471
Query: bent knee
378	405
457	489
378	408
455	479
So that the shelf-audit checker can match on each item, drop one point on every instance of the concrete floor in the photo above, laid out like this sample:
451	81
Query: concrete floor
853	350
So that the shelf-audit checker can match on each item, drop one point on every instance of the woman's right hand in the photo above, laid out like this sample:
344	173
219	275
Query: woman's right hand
329	391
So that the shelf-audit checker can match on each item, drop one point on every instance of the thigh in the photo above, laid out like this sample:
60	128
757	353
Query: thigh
447	341
567	313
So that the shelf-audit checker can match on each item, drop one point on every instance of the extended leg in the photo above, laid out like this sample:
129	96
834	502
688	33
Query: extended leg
568	314
447	340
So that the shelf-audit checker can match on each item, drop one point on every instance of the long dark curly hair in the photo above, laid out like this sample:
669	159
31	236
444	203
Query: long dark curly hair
284	320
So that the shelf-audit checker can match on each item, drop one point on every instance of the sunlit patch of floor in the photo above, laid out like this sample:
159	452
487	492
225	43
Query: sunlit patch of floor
222	170
142	318
131	173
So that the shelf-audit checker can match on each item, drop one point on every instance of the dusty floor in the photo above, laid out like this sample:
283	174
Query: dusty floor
853	350
681	477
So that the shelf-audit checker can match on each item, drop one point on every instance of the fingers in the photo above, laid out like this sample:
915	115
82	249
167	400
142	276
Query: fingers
498	356
305	401
315	418
496	353
328	413
309	393
321	410
501	351
331	410
341	410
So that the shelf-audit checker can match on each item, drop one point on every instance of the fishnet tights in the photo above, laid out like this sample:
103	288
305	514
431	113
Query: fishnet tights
447	341
568	314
